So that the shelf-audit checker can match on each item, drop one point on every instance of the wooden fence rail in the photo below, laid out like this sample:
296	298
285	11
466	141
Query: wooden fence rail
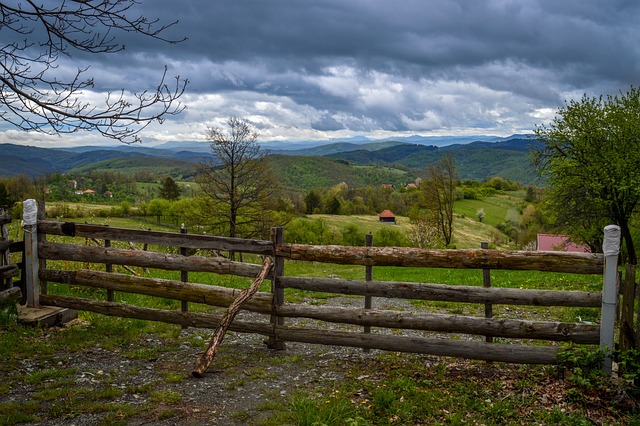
575	263
169	239
446	293
273	310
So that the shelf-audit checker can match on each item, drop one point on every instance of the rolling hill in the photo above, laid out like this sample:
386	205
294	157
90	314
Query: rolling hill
358	163
305	173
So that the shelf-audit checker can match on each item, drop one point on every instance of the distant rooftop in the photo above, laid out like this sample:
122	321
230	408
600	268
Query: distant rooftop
556	242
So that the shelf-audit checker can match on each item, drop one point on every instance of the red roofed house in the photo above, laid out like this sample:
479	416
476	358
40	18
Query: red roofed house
387	217
555	242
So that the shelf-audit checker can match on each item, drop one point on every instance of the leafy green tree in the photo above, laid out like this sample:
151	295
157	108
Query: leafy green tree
334	205
353	236
5	199
312	201
169	189
590	154
159	208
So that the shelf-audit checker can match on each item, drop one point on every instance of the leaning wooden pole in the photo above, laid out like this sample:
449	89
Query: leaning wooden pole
204	361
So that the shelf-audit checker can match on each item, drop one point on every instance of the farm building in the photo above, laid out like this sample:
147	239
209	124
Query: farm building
555	242
387	217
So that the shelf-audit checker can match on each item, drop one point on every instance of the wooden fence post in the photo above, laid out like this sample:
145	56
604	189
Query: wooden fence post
30	220
277	289
627	338
368	276
611	249
486	283
42	263
108	267
6	257
184	274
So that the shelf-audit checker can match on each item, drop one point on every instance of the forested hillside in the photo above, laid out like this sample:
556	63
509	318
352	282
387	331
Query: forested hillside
358	165
477	160
305	173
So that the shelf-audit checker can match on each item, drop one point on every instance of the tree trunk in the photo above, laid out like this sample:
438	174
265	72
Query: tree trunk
628	241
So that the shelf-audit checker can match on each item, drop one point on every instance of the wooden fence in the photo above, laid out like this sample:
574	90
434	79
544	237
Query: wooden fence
8	270
405	330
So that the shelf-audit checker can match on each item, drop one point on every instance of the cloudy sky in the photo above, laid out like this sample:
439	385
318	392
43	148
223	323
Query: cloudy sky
321	69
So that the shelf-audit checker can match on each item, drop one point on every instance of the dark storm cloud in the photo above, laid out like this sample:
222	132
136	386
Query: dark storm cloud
311	69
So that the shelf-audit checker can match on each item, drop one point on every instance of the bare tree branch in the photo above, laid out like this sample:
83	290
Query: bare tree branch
33	98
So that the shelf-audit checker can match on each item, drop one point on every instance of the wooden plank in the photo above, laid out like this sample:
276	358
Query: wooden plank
514	329
190	319
169	289
10	295
443	292
45	316
261	302
517	354
9	271
577	263
76	253
171	239
16	246
520	354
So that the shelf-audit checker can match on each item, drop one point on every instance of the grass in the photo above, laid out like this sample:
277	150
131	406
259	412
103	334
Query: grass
496	207
393	389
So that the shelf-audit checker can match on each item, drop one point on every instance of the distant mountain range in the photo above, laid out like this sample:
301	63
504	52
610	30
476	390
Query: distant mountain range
480	158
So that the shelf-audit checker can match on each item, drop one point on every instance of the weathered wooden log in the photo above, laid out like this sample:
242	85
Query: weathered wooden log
168	289
77	253
517	354
204	361
261	302
9	271
16	246
206	242
515	329
577	263
190	319
4	245
5	219
444	292
13	294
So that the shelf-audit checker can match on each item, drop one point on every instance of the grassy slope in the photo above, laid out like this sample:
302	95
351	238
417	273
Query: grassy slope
468	231
495	207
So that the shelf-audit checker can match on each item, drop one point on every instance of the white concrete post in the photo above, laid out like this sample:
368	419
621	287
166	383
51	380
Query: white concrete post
30	226
611	249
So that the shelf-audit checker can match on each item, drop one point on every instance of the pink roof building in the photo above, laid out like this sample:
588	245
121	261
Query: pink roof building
556	242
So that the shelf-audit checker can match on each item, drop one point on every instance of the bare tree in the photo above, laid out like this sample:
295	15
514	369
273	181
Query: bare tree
439	195
35	97
237	182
